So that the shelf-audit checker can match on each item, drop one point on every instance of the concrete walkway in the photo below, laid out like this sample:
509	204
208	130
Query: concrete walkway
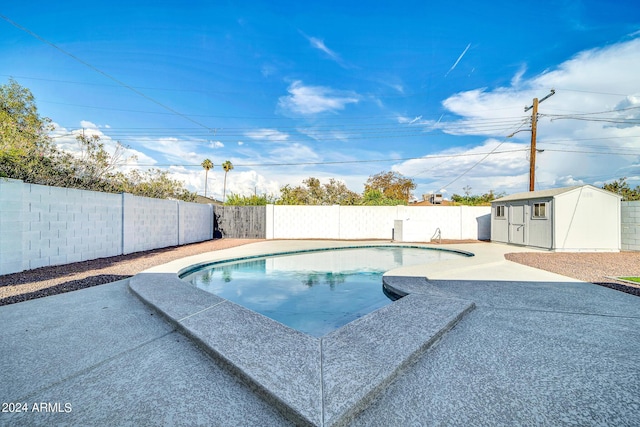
538	349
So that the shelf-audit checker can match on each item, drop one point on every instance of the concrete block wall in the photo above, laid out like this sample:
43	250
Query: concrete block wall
148	223
43	226
68	225
195	222
374	222
11	223
630	229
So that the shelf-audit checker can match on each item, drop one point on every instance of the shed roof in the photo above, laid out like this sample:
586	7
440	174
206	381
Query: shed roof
541	194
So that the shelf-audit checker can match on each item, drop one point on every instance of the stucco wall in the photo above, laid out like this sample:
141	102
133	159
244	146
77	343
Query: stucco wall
42	226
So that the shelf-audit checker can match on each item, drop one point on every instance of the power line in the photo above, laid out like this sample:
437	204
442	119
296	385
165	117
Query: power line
110	77
341	162
615	153
590	91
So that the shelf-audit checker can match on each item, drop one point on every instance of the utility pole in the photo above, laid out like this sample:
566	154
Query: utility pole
534	128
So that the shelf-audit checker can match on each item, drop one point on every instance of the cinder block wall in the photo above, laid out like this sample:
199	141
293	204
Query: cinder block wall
149	223
630	217
11	225
196	222
42	226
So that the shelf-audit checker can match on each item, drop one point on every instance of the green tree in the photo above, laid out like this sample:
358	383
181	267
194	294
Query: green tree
292	195
253	200
337	193
375	197
621	187
94	167
227	166
312	192
26	150
154	183
207	165
28	153
475	200
392	185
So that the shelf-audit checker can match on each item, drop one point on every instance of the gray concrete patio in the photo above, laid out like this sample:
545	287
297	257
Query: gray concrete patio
483	342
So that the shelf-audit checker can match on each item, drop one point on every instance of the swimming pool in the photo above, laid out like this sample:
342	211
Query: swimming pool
314	292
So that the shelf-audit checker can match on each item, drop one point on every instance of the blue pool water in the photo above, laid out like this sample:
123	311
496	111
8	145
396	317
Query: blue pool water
314	292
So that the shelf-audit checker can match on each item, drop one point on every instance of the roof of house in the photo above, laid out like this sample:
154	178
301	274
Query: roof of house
542	194
207	200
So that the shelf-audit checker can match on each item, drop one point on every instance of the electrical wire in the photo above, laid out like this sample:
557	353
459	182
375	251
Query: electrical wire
488	154
342	162
110	77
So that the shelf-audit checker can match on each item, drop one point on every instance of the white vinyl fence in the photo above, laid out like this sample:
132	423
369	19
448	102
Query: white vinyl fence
376	222
42	226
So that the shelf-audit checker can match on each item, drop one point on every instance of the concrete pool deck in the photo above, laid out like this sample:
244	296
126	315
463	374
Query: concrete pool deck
513	345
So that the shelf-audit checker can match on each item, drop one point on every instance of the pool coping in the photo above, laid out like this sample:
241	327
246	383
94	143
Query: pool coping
322	381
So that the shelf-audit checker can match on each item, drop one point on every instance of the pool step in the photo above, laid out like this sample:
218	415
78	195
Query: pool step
313	381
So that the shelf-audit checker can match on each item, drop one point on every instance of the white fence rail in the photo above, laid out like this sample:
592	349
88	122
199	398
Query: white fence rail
42	226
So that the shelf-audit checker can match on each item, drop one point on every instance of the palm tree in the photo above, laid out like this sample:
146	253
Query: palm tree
207	165
227	166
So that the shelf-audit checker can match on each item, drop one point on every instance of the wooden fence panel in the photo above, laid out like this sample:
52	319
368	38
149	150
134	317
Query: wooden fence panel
240	222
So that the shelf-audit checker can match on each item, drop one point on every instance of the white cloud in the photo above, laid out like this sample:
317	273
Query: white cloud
176	150
319	44
308	100
575	151
458	60
216	144
272	135
88	124
517	78
294	153
66	140
323	134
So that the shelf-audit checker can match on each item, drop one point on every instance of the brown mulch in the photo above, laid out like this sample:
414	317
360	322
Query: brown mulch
45	281
596	267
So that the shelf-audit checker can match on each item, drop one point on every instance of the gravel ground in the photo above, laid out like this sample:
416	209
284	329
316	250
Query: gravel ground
590	267
45	281
598	268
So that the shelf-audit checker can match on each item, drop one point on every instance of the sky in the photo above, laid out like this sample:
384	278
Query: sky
288	90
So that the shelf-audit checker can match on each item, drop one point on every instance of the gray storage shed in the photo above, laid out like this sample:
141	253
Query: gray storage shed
571	219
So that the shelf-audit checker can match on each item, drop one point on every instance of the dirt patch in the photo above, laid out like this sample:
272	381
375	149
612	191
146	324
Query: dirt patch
594	267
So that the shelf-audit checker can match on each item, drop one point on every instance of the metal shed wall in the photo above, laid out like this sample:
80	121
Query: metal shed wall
581	218
587	219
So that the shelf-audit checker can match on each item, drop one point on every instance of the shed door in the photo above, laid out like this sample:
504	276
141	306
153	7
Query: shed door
516	224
